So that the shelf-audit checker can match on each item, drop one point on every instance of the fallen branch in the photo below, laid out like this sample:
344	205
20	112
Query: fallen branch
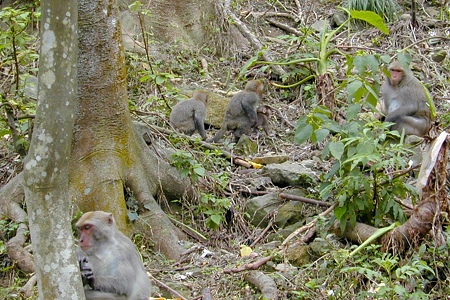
251	266
284	27
304	199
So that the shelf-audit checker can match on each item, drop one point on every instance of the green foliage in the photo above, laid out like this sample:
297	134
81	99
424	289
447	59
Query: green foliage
386	8
214	208
322	51
391	278
187	165
15	41
364	151
374	274
17	53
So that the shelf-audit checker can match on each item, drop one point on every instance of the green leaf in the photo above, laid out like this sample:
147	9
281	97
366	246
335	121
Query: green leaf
321	134
353	110
199	170
353	87
216	219
370	17
160	79
303	132
337	149
340	211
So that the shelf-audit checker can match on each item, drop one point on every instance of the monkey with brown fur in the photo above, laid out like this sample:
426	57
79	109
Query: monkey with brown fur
405	102
263	114
189	115
240	116
110	263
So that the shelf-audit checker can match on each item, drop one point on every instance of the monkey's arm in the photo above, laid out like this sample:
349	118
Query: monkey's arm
401	111
251	112
87	275
199	120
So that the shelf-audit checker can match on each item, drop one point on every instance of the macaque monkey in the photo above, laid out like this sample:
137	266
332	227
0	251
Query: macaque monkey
189	115
405	102
240	116
110	265
263	113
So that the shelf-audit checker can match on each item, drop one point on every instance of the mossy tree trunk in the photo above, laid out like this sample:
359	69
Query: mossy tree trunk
107	154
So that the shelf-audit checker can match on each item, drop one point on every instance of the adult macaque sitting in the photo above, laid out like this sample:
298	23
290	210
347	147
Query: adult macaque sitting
405	102
111	267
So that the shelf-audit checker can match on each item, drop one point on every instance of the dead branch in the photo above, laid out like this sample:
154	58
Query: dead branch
284	27
27	289
11	196
251	266
304	199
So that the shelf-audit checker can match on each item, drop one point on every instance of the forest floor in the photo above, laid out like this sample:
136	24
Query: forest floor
204	266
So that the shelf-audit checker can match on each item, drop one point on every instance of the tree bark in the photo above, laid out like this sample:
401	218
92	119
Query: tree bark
107	154
46	166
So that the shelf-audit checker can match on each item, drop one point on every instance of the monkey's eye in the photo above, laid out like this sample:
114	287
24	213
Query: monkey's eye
88	226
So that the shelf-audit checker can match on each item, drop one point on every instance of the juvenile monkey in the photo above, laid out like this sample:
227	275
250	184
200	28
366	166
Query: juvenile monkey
109	262
405	102
189	115
240	116
263	113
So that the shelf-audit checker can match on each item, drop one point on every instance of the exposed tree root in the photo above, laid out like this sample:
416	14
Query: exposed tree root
11	197
264	283
27	289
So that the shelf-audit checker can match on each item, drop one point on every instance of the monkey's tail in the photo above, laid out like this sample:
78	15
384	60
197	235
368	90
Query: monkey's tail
219	134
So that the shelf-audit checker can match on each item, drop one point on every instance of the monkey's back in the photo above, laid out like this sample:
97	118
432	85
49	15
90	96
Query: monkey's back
235	115
182	115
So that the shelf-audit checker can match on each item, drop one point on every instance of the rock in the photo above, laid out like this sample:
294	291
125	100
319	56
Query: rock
215	110
290	174
298	255
245	146
321	25
290	212
439	56
338	19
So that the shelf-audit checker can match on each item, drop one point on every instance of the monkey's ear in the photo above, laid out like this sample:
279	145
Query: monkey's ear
110	219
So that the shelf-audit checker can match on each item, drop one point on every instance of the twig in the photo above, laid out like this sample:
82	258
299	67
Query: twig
262	234
166	287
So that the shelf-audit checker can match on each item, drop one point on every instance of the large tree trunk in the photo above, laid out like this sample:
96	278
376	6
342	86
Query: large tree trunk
191	24
108	156
46	165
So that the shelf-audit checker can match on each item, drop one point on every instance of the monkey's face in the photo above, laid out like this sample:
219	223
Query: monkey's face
85	236
396	76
